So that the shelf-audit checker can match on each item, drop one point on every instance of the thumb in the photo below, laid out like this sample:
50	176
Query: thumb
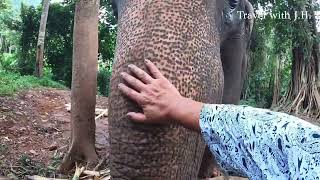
137	117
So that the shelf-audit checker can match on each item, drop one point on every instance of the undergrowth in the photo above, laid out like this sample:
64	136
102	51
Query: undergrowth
26	166
10	83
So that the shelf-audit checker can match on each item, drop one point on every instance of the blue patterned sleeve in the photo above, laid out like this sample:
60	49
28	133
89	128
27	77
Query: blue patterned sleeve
261	144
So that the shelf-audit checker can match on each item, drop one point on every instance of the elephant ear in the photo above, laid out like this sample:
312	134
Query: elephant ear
249	22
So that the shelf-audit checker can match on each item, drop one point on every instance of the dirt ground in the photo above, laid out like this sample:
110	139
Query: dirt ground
35	130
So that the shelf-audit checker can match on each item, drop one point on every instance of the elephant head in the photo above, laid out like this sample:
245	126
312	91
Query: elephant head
181	37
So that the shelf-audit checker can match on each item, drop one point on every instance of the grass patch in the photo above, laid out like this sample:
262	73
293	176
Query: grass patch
10	83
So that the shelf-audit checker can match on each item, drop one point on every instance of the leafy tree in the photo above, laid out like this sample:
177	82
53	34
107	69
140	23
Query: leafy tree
58	46
59	43
284	59
8	37
3	5
8	26
303	95
30	20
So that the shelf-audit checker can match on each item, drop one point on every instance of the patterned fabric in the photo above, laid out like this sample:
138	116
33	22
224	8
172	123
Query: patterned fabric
261	144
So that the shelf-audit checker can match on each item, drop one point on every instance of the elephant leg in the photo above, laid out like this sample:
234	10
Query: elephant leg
208	164
235	79
232	52
234	62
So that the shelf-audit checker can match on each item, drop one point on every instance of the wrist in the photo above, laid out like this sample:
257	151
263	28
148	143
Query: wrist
176	108
186	112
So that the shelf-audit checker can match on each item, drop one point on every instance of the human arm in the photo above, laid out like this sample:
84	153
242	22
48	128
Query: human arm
252	142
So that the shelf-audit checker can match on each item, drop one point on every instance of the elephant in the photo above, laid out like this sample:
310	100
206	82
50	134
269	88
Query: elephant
235	32
183	38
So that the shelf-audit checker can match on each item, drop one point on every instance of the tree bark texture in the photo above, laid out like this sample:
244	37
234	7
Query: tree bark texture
84	82
303	96
276	81
41	38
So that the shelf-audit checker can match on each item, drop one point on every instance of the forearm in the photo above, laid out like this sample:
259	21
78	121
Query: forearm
186	112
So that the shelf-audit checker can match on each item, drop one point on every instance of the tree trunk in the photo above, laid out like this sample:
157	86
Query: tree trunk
303	96
41	38
84	82
181	38
1	43
276	82
304	88
4	45
315	47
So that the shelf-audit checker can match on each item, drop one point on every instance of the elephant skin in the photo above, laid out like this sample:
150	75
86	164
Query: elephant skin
235	33
183	38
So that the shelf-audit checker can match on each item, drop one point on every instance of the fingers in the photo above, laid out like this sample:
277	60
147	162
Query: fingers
141	74
131	93
132	81
138	117
155	72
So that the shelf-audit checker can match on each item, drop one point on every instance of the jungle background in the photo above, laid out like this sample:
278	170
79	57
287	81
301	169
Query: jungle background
283	74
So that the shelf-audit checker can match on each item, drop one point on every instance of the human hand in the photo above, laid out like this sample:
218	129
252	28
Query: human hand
154	93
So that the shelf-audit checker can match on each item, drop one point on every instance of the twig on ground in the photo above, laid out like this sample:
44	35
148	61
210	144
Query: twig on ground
91	173
41	178
98	111
102	114
100	164
78	172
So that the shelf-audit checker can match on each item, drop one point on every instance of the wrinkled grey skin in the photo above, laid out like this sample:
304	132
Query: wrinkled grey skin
234	39
235	33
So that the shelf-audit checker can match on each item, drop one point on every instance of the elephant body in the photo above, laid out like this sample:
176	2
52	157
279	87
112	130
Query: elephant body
183	39
235	33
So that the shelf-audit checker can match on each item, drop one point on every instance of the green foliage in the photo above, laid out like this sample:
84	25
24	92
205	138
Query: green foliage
7	16
274	39
28	42
257	88
27	166
59	37
104	75
249	102
9	20
107	43
3	5
8	62
58	43
107	32
11	83
23	33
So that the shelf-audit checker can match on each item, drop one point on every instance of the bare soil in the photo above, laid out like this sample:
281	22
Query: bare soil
35	130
